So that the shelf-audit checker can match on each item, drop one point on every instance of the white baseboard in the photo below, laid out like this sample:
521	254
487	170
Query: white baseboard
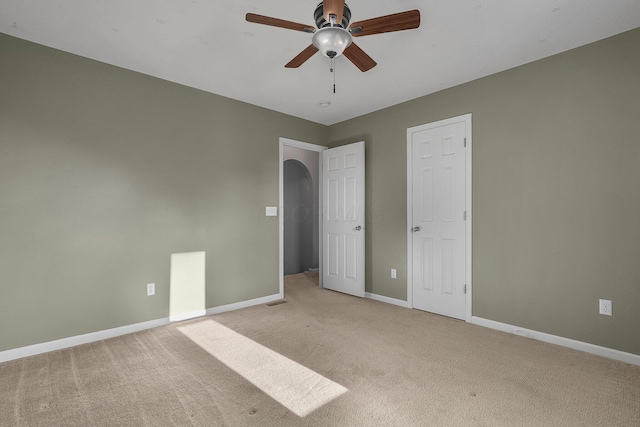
187	316
244	304
32	350
610	353
35	349
60	344
388	300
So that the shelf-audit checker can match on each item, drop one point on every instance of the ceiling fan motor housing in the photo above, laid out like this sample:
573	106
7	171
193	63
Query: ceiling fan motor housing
321	22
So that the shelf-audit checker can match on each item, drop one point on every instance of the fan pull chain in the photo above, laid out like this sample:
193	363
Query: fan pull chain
333	70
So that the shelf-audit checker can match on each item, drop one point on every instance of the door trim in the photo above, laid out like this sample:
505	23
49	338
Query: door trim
466	118
304	146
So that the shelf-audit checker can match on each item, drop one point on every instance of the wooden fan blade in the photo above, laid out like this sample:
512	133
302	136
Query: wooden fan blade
302	57
333	7
359	58
275	22
385	24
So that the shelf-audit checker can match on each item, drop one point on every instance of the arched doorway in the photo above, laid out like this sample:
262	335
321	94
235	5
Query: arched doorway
298	217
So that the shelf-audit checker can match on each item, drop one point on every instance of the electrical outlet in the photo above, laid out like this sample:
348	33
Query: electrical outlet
605	307
151	289
394	274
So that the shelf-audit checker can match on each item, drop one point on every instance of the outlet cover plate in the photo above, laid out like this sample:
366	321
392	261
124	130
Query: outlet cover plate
605	307
151	289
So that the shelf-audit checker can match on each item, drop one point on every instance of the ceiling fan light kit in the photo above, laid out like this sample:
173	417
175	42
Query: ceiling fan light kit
334	35
331	41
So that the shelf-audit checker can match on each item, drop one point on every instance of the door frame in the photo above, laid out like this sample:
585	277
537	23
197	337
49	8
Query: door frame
466	118
310	147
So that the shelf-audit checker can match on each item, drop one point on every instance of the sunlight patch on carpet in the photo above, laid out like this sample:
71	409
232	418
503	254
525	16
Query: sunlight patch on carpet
294	386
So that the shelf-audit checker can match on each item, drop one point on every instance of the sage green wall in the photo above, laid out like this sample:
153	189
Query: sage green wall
104	173
556	191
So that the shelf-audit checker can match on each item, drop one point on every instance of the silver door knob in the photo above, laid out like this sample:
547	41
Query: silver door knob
416	229
358	228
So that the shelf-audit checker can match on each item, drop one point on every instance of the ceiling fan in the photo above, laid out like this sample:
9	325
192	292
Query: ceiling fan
334	34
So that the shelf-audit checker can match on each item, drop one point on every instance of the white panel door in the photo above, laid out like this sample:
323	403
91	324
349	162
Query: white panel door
343	219
438	215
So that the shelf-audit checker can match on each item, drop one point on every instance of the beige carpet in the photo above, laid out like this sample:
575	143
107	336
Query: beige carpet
321	359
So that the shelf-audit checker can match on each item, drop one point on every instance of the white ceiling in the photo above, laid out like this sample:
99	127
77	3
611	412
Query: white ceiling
208	44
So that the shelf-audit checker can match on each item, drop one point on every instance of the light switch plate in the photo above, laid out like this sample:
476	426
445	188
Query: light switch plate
272	211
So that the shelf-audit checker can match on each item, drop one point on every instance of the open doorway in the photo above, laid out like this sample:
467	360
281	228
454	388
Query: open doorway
300	211
300	208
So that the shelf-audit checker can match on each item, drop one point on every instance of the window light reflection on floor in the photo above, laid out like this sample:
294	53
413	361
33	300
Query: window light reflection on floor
294	386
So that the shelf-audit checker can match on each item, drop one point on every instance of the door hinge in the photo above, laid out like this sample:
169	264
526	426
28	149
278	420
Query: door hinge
465	289
465	142
464	216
